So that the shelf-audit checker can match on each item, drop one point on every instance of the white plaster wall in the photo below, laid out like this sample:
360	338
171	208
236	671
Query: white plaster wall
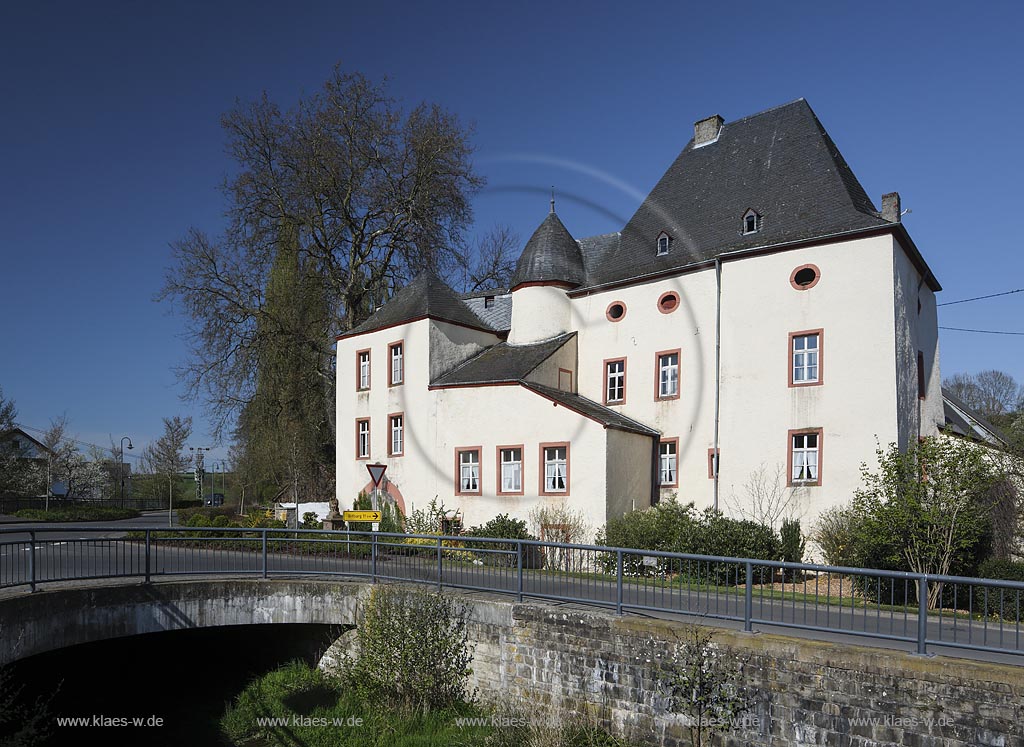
411	398
852	302
916	331
547	372
539	312
629	465
452	344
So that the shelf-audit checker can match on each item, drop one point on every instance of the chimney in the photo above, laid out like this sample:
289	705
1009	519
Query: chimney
706	130
891	207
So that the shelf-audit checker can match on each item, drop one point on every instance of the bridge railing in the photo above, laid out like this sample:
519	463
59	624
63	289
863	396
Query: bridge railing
923	610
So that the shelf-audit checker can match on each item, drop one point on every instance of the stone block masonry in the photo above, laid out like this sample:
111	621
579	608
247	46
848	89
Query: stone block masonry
566	660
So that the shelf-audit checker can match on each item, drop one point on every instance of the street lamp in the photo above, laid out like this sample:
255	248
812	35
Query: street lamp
120	466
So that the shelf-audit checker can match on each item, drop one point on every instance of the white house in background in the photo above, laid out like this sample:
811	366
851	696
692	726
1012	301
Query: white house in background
756	310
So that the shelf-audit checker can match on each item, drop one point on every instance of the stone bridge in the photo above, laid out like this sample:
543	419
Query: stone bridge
560	659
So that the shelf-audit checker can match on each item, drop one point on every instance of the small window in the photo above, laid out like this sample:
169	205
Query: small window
751	221
555	468
805	458
616	311
363	439
363	369
467	478
805	277
396	373
714	463
805	357
488	302
668	375
615	381
397	441
668	463
510	465
664	241
668	302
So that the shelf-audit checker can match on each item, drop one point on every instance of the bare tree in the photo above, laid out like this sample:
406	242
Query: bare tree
766	499
369	195
492	262
166	456
992	393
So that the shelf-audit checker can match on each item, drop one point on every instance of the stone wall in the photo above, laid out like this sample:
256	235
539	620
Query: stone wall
563	660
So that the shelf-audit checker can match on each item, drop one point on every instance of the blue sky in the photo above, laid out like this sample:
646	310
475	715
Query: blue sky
110	146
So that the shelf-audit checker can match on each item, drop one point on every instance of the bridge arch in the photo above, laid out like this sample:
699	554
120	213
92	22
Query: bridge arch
58	617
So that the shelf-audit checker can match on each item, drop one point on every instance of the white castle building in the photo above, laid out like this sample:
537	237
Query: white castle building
756	314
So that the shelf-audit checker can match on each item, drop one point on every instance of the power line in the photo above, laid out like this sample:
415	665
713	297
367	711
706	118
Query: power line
980	298
77	441
982	331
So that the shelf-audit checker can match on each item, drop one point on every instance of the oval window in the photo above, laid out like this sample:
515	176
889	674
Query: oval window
668	302
805	277
615	311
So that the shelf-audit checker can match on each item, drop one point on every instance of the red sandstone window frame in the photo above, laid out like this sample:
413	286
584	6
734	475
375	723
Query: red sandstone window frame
359	371
675	443
657	374
400	344
543	467
459	451
498	468
790	482
605	379
391	433
369	442
820	332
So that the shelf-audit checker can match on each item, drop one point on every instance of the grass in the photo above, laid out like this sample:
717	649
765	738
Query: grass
316	710
77	513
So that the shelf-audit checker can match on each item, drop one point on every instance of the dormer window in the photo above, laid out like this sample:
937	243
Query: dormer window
664	240
488	302
751	221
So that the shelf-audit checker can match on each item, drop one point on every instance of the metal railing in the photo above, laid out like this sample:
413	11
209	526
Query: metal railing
948	611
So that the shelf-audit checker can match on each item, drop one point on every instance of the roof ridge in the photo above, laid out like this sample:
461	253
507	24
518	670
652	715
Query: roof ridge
554	393
769	110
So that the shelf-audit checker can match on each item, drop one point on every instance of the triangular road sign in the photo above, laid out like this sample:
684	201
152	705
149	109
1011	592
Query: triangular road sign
376	473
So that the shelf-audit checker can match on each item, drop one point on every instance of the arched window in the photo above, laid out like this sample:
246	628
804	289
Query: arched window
664	241
751	221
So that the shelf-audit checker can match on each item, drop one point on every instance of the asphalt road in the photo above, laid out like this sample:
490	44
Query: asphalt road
71	553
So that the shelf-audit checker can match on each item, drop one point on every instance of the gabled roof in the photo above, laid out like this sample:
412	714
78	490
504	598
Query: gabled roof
963	421
22	435
551	255
502	363
499	315
425	297
591	409
780	163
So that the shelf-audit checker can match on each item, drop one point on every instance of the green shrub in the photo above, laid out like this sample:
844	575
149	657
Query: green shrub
672	527
78	513
426	520
413	648
311	521
792	543
1007	570
503	526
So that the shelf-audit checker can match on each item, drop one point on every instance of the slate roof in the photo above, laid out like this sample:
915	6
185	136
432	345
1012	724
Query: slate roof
499	315
587	407
780	163
502	363
551	254
964	421
426	296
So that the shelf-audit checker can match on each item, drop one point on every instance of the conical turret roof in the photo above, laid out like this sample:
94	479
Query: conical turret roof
551	255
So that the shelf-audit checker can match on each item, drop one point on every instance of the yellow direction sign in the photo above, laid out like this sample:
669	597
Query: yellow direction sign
360	515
